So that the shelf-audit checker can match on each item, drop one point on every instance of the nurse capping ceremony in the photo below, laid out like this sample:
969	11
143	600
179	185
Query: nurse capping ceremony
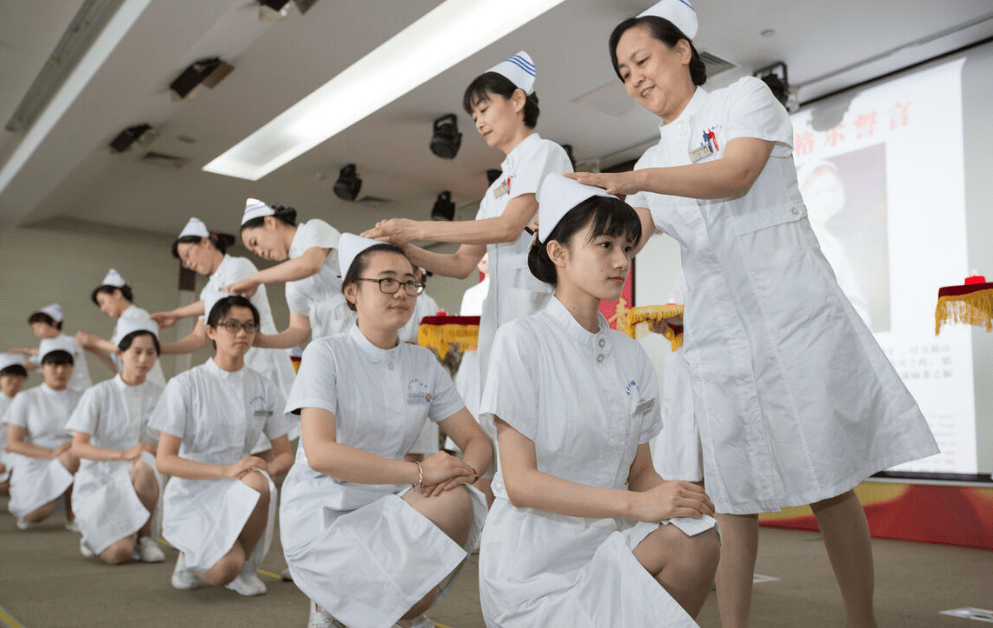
299	434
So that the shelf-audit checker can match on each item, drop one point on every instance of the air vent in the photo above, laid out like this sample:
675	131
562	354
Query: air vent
716	65
164	161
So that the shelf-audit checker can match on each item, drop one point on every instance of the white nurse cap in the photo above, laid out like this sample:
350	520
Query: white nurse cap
349	247
127	326
210	299
113	278
679	12
195	227
52	309
62	343
519	69
559	194
254	208
11	359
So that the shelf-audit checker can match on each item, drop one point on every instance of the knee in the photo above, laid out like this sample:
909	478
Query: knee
258	483
69	461
226	569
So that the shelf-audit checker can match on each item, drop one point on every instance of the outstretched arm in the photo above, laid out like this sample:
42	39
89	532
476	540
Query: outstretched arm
196	339
308	264
459	264
294	335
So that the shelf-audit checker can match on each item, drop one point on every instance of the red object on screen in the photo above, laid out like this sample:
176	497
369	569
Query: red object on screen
975	279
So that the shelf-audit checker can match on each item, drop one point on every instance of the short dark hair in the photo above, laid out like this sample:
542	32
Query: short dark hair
125	342
41	317
221	308
664	31
220	241
58	357
609	216
105	289
14	370
487	83
286	215
361	263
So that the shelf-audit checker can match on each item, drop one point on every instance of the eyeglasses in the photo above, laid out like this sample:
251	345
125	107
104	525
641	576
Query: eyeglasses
234	326
388	285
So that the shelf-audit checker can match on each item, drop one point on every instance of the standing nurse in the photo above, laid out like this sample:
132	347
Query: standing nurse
796	402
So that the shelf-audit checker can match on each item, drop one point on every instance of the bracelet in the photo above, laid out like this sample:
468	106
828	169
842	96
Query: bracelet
420	479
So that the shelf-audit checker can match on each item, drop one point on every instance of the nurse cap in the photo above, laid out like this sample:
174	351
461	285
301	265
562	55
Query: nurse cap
11	359
127	326
519	69
210	299
113	278
349	247
52	309
254	208
559	194
679	12
62	343
194	227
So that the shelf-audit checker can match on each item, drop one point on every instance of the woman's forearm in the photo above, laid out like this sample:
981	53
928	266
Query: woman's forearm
89	451
310	263
361	467
459	264
27	449
195	340
174	465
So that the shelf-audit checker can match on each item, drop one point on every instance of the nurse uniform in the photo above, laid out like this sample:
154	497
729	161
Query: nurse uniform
427	441
6	359
538	568
104	500
80	379
134	312
358	550
795	400
319	296
219	416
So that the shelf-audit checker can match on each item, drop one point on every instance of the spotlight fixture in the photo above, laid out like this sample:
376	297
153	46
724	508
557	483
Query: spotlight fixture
128	136
446	139
775	77
273	9
348	184
492	175
209	71
444	208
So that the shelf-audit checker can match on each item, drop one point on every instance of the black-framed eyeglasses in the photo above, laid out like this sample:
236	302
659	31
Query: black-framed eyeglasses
389	285
234	326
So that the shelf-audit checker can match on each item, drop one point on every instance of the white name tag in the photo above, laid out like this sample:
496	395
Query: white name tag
500	190
699	153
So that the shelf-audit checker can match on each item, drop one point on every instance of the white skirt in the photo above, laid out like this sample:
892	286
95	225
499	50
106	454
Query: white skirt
371	565
37	482
678	454
203	518
105	503
7	460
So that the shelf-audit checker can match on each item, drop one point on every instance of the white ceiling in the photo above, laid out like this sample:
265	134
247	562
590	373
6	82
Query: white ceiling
73	174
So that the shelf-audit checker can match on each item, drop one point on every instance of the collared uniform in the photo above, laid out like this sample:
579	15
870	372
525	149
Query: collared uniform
427	441
43	413
515	292
220	416
80	379
358	550
104	501
794	398
586	421
5	458
319	296
155	375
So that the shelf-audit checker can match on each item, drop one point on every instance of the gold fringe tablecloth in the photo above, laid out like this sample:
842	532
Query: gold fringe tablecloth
444	333
640	319
971	304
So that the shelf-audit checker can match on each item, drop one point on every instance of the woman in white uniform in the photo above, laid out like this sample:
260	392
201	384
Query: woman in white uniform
795	401
205	252
308	253
363	546
36	434
12	376
220	501
115	490
47	323
583	531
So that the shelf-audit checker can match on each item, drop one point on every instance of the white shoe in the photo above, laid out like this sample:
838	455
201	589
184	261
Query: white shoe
24	524
247	583
85	550
320	619
72	526
285	575
182	578
148	550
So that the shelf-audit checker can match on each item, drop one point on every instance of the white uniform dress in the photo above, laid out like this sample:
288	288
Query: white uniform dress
586	420
515	292
6	459
219	415
43	413
80	379
155	375
794	398
358	550
319	296
467	380
427	440
104	501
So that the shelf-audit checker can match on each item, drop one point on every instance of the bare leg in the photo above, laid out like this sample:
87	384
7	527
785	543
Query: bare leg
42	513
120	552
740	545
846	538
71	463
683	565
227	568
147	488
230	565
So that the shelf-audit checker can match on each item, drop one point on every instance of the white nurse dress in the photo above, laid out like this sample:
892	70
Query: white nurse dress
795	400
219	415
358	550
133	311
80	379
319	296
586	401
104	501
5	458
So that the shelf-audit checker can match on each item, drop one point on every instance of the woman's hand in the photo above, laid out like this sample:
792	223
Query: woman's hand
245	287
613	183
244	466
61	449
24	351
671	499
135	452
443	472
164	319
399	231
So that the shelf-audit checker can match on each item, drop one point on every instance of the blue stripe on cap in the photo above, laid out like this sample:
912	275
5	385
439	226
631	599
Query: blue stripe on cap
522	65
522	60
687	4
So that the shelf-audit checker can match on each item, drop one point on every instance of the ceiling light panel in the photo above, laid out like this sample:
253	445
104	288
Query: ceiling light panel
444	37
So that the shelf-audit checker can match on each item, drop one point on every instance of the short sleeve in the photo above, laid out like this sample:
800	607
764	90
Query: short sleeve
547	157
17	413
755	112
651	418
173	408
296	300
315	385
511	391
445	400
640	199
276	424
315	233
87	413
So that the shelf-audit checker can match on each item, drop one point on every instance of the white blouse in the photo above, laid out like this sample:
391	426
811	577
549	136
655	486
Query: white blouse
319	296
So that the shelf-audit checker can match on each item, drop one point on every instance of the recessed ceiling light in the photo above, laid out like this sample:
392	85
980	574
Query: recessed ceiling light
445	36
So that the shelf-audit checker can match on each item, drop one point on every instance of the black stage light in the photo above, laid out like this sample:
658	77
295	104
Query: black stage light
273	9
444	208
446	139
127	137
348	184
775	77
492	175
209	71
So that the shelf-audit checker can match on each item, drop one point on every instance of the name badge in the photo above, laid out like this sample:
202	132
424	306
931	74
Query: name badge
503	188
419	397
644	407
699	153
